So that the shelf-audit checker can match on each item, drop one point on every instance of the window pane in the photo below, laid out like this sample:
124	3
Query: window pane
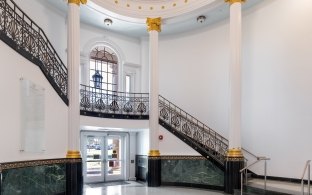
127	84
103	60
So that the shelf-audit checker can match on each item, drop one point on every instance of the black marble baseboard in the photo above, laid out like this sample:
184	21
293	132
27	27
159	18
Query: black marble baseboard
113	115
275	178
193	185
256	191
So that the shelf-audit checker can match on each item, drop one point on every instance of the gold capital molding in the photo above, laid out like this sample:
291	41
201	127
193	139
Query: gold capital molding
235	1
77	2
73	154
154	153
153	24
235	153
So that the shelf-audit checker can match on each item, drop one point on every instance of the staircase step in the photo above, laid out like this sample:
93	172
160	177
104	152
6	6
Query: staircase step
255	191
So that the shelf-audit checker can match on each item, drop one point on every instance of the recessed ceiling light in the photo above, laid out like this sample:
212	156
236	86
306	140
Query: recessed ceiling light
108	22
201	19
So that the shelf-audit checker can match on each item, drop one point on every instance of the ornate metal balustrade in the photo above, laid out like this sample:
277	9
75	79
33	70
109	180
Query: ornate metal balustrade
113	104
27	38
214	144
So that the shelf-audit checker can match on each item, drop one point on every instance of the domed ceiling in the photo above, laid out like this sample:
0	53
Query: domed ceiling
129	16
139	10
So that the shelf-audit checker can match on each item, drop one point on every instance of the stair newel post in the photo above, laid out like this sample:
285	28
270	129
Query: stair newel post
153	176
234	157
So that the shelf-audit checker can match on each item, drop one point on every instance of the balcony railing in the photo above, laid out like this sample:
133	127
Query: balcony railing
27	38
113	104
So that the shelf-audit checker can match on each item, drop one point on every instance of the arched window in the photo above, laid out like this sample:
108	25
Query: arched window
103	68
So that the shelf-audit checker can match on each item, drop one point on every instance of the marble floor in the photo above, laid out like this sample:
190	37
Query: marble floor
138	188
135	188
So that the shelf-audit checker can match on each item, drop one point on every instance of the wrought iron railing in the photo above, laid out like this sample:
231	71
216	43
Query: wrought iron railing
27	38
99	102
186	124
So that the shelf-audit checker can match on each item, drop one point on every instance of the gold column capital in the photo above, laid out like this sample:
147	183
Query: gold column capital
73	154
154	153
235	1
77	2
153	24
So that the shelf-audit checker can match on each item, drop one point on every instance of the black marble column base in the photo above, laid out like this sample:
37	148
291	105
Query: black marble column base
74	180
232	174
153	173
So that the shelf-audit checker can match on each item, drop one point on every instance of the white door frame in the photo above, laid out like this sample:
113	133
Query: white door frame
104	176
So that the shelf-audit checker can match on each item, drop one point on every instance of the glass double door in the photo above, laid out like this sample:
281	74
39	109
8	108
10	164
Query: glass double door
102	157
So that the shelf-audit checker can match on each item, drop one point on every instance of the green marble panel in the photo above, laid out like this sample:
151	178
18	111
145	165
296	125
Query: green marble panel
191	171
43	180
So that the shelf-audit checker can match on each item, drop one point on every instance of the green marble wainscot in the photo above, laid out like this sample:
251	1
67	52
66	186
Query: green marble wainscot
43	180
191	170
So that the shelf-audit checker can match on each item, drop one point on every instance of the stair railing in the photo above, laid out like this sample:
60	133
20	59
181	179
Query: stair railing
26	37
306	169
104	101
188	125
247	167
246	161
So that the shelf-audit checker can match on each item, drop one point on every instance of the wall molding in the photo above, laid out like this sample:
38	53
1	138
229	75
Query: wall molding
33	163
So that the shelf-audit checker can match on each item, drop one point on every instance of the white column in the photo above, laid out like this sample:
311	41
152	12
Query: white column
154	29
73	63
235	75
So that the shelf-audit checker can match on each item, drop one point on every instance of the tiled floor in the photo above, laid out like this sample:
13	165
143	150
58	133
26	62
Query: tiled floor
134	188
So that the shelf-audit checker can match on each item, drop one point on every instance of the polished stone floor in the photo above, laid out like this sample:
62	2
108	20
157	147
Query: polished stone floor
135	188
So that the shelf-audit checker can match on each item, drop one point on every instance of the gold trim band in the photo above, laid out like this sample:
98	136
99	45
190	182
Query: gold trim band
154	153
77	2
153	24
33	163
235	1
235	153
182	157
73	154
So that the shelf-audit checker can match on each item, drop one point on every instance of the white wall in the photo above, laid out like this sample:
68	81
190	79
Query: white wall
130	47
50	20
13	67
277	90
196	78
172	145
142	146
87	121
276	81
